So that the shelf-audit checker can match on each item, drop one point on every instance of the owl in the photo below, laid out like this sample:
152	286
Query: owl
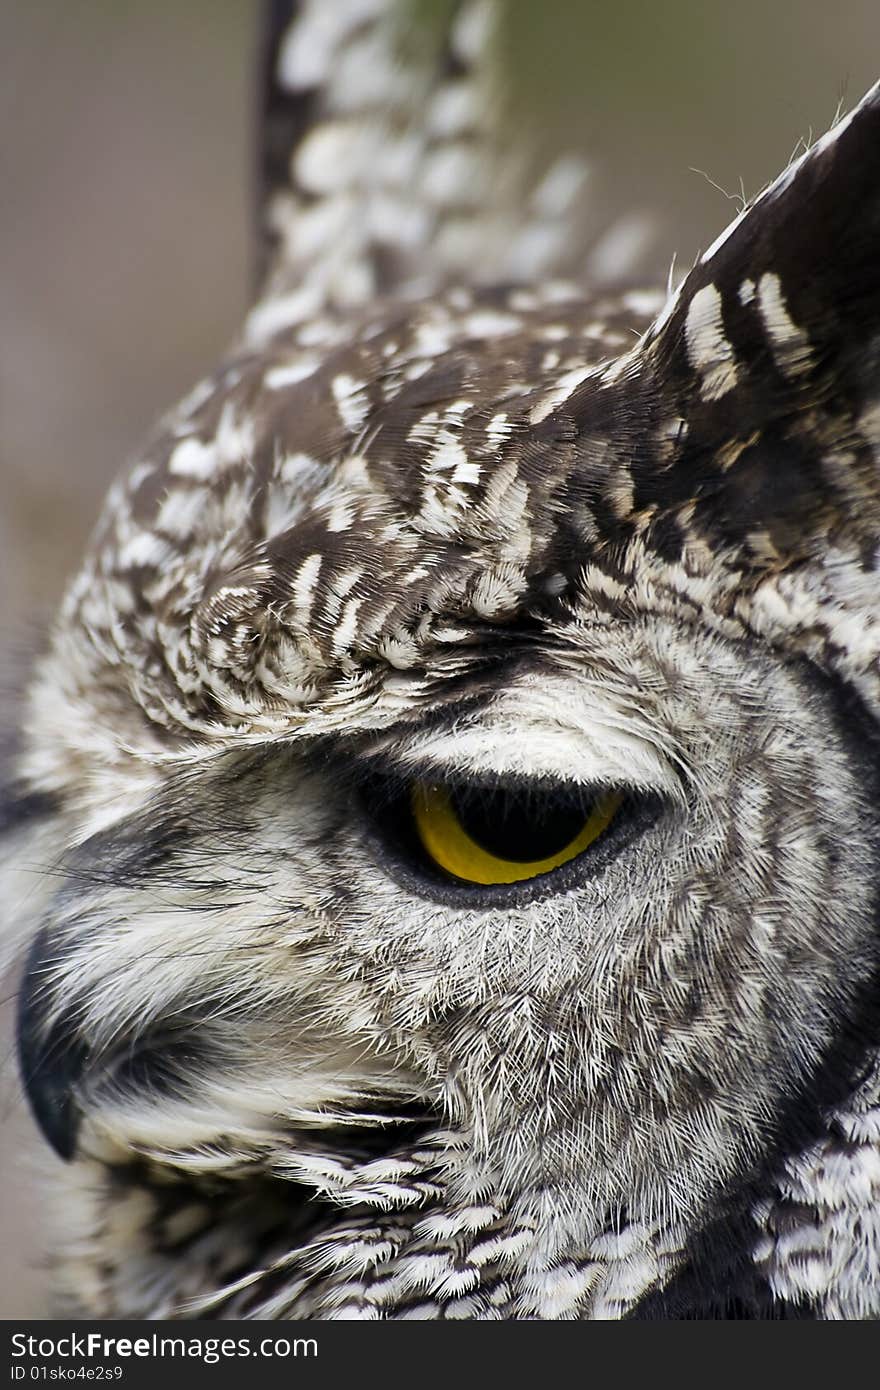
454	768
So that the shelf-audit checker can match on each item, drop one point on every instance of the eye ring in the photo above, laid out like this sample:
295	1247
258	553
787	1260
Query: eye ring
390	830
445	838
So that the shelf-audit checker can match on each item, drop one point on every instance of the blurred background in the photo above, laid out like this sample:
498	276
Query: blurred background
125	129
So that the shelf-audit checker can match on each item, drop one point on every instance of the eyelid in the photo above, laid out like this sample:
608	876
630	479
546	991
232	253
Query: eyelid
560	733
516	754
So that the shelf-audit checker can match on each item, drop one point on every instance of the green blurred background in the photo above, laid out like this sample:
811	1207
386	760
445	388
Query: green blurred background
124	135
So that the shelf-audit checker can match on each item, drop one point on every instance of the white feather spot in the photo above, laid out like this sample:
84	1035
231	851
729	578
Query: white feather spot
710	352
142	549
288	374
791	345
180	512
453	111
305	584
746	292
490	323
193	459
564	387
273	316
311	45
346	629
351	402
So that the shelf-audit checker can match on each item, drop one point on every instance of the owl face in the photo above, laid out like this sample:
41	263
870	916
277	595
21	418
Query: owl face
589	881
276	945
470	728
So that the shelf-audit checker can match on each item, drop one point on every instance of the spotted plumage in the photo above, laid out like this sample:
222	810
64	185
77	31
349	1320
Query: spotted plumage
446	513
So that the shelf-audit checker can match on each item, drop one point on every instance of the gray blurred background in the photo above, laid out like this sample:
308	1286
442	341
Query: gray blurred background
124	260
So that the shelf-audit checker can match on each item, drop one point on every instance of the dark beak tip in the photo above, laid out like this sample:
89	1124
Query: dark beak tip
55	1112
51	1063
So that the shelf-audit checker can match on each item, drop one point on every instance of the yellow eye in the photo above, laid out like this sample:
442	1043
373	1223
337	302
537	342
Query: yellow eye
505	836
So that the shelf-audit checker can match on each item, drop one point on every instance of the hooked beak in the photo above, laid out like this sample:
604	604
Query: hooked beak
51	1058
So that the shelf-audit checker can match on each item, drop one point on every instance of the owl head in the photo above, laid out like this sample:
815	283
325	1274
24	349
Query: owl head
461	739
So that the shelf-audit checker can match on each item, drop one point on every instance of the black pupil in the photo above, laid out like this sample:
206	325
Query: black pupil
520	826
